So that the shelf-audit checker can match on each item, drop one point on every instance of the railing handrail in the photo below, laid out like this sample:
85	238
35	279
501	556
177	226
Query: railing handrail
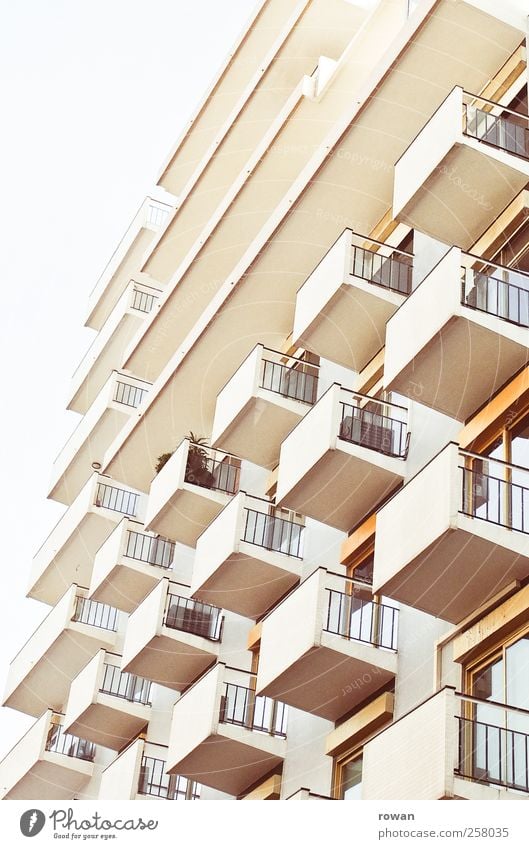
251	701
504	728
393	249
66	736
489	703
92	604
371	399
264	531
367	622
153	540
492	103
200	607
369	601
273	517
495	264
497	280
128	676
466	453
494	478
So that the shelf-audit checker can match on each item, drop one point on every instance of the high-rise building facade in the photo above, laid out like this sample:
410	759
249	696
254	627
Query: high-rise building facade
294	557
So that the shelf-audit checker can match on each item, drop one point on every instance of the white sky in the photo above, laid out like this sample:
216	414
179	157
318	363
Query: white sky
94	94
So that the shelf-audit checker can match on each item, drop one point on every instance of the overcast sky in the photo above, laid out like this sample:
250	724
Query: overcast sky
94	95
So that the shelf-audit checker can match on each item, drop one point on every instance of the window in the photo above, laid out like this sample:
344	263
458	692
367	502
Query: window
348	776
497	492
495	741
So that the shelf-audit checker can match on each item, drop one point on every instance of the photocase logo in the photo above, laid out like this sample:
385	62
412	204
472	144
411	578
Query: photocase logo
32	822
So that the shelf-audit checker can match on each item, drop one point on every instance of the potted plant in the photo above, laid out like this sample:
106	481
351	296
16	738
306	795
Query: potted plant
198	462
162	460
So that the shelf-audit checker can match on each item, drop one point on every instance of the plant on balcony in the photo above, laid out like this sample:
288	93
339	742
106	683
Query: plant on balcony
198	469
162	460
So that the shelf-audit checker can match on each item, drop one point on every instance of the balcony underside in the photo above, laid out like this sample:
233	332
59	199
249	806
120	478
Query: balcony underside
344	486
74	560
126	586
54	777
226	763
329	682
449	374
105	724
258	430
351	327
249	584
48	683
172	661
188	512
459	571
75	474
465	193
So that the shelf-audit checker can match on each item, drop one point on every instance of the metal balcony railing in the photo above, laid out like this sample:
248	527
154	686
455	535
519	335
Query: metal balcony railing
95	613
143	301
496	290
195	617
156	215
365	621
129	395
114	498
204	469
501	500
393	271
273	533
66	744
125	686
156	551
240	706
496	125
362	425
298	381
154	781
493	743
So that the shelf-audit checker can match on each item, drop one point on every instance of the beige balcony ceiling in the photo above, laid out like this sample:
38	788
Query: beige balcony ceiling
465	166
262	402
455	357
248	558
190	491
170	638
341	647
468	538
343	458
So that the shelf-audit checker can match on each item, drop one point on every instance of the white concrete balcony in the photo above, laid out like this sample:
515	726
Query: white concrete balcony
455	357
451	746
68	553
464	167
171	638
139	773
117	401
41	673
108	706
129	564
454	535
248	557
127	260
106	351
343	458
233	737
190	491
266	397
328	646
343	307
46	763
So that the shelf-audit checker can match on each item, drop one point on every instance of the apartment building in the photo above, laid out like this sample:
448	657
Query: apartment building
294	557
